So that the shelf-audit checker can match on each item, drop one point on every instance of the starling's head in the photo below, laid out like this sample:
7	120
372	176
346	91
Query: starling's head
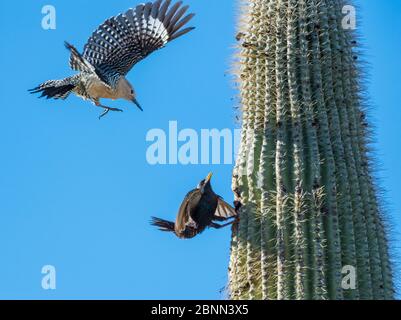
127	92
205	185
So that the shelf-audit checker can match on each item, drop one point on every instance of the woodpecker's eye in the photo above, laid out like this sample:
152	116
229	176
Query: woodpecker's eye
132	91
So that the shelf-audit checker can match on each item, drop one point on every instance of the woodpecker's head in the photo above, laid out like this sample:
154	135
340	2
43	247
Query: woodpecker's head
127	92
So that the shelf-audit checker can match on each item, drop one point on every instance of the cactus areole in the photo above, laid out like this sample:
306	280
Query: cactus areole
311	225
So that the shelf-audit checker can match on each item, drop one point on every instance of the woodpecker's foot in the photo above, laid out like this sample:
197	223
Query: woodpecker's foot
106	109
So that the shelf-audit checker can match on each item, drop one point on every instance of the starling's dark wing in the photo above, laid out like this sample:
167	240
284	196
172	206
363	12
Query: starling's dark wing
122	41
224	210
184	217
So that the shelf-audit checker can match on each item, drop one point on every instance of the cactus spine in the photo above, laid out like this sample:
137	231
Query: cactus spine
303	173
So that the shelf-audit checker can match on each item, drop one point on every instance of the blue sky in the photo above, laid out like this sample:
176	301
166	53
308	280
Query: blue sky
77	193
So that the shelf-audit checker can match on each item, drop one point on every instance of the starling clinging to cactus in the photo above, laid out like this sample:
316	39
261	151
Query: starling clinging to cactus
114	48
200	209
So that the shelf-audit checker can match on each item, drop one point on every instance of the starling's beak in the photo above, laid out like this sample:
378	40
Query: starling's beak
137	104
209	176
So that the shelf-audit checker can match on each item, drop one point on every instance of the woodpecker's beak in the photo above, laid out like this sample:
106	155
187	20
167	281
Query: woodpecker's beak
209	176
137	104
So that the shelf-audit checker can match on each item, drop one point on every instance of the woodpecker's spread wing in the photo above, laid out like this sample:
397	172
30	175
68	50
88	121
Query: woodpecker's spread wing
184	213
122	41
224	210
77	62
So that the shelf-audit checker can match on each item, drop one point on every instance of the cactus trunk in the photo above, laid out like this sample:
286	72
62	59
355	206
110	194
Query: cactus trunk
303	172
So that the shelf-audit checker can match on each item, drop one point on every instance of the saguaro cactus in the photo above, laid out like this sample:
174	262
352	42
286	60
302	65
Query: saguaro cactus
303	175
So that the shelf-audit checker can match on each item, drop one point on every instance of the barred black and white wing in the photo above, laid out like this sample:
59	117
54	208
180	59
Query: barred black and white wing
122	41
77	62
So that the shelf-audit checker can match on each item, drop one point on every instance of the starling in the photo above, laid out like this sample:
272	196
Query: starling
200	209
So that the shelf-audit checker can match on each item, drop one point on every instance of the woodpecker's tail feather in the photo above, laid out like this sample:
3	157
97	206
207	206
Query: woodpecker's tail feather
163	225
56	89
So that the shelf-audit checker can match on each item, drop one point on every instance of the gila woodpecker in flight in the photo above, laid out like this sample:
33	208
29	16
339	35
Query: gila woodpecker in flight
114	48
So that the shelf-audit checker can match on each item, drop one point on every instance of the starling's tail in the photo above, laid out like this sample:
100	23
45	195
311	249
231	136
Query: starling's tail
56	89
163	225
